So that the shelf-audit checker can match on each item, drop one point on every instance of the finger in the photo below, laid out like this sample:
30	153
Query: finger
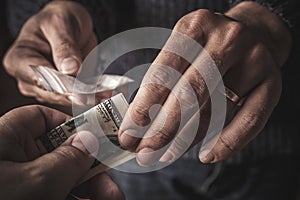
22	126
247	123
201	78
30	48
19	58
167	124
192	132
180	50
61	34
34	120
17	63
49	177
198	129
181	104
39	178
44	96
63	168
182	142
189	94
103	187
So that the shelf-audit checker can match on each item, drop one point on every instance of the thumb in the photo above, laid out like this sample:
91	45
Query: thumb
60	170
66	53
103	187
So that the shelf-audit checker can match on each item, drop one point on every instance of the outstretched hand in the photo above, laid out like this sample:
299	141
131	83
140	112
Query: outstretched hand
248	51
59	36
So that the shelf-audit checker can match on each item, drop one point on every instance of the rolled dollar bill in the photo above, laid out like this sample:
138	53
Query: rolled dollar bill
103	120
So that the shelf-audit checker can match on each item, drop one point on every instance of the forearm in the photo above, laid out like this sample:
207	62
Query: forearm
276	35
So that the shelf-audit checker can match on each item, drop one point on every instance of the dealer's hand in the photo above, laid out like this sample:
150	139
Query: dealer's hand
249	46
60	36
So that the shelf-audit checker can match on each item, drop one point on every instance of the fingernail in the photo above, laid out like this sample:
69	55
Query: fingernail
75	100
147	157
86	142
69	65
167	157
129	139
206	156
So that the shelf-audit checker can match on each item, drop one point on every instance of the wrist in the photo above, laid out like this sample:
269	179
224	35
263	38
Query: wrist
275	34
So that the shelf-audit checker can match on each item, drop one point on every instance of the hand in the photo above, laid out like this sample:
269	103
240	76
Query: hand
248	51
26	174
60	36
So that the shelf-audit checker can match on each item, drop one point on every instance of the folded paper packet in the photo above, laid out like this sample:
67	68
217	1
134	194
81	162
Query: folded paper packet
103	120
54	81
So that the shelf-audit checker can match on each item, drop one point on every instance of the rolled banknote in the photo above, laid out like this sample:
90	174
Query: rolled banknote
103	120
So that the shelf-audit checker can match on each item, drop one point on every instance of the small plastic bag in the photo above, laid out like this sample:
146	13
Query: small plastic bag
54	81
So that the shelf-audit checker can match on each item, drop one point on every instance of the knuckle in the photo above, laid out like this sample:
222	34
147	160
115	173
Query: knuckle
266	62
39	178
23	90
7	63
63	46
229	143
252	122
140	114
64	153
191	24
162	136
261	52
202	17
235	30
42	100
218	60
198	84
186	97
260	49
162	132
232	33
42	179
31	23
162	77
10	59
51	15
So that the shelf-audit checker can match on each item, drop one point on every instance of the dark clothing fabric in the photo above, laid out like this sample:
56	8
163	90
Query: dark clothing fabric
274	178
287	11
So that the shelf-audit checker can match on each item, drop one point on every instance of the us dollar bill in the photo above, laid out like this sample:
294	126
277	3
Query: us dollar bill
103	121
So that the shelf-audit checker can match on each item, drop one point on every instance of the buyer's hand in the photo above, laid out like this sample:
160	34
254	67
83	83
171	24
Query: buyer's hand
26	174
249	46
60	36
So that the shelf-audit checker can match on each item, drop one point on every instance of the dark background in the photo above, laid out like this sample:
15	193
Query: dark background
10	95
